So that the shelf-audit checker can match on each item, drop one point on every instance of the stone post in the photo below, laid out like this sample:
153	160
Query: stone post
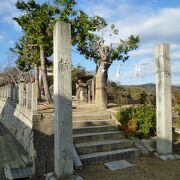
11	92
16	94
163	99
28	96
2	91
63	135
5	91
21	86
34	97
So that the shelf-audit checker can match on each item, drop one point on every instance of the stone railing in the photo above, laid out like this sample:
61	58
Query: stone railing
23	94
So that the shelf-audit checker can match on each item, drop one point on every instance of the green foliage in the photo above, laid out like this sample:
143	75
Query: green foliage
135	93
116	93
124	115
143	97
141	118
27	54
120	100
146	119
131	127
37	22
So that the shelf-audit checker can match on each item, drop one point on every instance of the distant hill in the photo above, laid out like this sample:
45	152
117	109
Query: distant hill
149	87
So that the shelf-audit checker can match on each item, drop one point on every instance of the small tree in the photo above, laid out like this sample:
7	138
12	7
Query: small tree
104	55
28	57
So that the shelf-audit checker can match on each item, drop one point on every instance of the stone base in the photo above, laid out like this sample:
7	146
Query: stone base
167	157
52	176
117	165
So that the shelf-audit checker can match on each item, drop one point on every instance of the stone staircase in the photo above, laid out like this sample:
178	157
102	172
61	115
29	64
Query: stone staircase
97	139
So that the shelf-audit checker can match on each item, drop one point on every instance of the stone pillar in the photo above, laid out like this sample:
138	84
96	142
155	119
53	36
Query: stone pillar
11	92
163	99
63	135
28	96
21	86
2	94
16	97
34	97
5	91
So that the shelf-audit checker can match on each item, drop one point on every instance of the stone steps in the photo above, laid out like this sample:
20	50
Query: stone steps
82	117
92	129
94	158
100	146
97	139
79	124
100	136
85	123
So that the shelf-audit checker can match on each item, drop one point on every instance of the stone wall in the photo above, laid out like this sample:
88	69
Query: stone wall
19	123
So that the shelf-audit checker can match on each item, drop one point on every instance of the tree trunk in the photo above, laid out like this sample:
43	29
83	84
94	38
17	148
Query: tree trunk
37	80
101	83
44	74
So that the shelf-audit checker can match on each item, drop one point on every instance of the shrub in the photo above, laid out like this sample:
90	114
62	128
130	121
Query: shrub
123	116
132	127
120	100
140	120
146	120
135	92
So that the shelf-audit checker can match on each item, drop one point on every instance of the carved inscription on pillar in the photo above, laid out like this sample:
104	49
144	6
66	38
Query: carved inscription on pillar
64	64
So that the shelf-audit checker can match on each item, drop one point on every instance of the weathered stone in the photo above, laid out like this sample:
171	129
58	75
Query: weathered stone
163	99
63	136
28	95
34	96
117	165
168	157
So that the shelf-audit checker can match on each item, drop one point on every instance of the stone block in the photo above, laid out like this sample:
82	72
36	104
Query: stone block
168	157
117	165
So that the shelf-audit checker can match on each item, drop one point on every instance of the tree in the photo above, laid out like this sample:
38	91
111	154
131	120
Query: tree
104	55
37	23
28	57
135	92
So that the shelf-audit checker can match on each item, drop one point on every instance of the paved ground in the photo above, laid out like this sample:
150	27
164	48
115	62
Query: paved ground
10	151
146	168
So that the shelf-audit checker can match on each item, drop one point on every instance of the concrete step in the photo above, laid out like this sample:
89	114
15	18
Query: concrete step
100	146
84	123
102	157
100	136
92	129
81	117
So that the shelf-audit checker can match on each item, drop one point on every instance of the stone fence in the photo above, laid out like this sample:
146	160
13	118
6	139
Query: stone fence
18	113
25	95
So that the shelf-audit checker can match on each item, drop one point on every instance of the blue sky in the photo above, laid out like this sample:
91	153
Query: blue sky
155	21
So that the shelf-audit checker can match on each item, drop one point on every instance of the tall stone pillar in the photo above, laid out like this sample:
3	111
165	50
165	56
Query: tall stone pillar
163	99
63	135
28	96
21	87
34	97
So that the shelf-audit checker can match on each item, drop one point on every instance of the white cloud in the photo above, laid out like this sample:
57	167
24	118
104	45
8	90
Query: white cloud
8	11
